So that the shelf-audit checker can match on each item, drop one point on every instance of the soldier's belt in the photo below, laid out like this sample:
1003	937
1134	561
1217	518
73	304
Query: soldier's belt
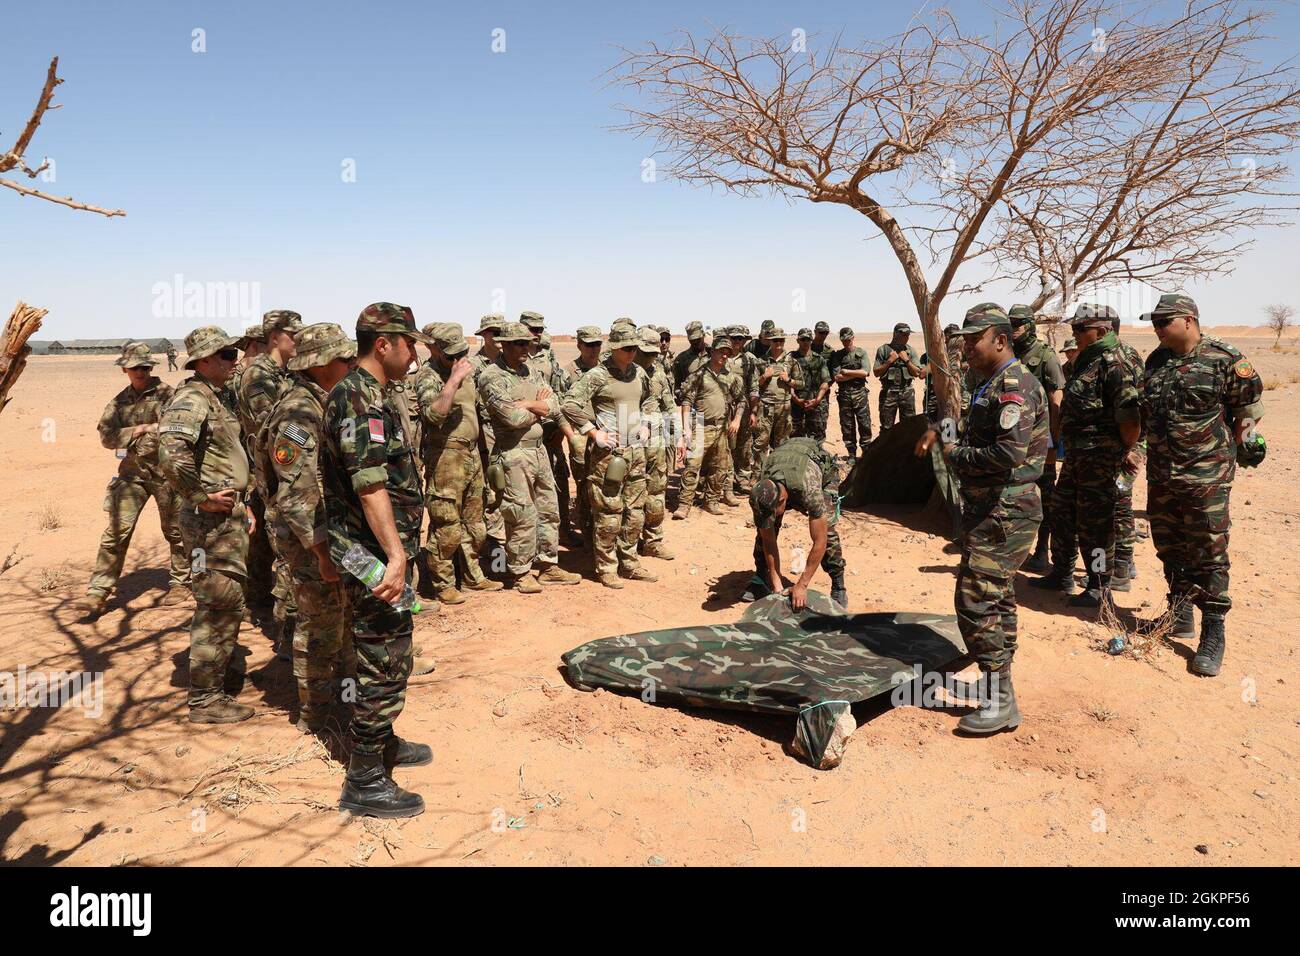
454	443
522	443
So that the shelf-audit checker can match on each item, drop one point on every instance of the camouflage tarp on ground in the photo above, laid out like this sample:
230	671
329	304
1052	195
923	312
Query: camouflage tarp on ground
774	660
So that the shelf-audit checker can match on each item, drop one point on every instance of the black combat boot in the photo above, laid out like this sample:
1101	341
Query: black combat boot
998	711
1122	579
970	692
1177	619
838	593
1038	562
1093	594
369	791
403	753
1209	653
1056	580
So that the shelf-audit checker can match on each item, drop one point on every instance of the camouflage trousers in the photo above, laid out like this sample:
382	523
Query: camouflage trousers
454	499
381	638
1125	528
707	453
530	511
855	418
998	530
896	402
810	423
770	431
656	490
578	468
124	500
259	588
1083	511
285	608
742	454
617	507
1190	532
560	471
218	549
322	644
832	559
1046	488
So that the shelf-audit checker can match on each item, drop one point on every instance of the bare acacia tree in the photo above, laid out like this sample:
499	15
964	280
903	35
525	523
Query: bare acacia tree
1278	318
1083	141
14	157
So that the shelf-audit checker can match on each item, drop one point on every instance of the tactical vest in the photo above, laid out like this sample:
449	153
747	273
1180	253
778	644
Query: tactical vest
788	464
1035	357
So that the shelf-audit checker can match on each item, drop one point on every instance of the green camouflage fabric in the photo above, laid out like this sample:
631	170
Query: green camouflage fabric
686	362
1037	356
578	449
1125	526
852	398
814	369
930	399
1100	394
808	472
897	399
207	340
199	450
998	460
773	425
138	479
744	365
773	660
709	451
1190	406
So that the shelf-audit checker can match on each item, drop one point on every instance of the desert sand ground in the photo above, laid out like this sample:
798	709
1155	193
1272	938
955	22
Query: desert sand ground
1119	761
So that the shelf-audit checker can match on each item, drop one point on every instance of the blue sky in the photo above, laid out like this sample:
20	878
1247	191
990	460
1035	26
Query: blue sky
475	172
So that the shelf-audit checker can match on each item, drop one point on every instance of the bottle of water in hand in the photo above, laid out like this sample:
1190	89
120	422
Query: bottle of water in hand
369	570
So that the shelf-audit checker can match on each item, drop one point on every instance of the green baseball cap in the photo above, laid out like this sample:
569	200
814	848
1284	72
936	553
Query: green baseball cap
513	332
846	333
1020	314
390	317
1092	313
1174	304
207	340
136	355
320	344
822	327
534	320
983	316
720	342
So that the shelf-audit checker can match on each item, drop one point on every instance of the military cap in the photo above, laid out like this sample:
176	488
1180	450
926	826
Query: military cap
205	341
694	330
1175	304
822	327
1090	313
1070	344
903	327
649	340
251	334
534	320
720	342
390	317
491	322
762	501
1020	314
846	333
773	333
983	316
766	324
281	320
952	328
624	336
136	355
664	331
623	322
513	332
319	344
590	335
544	340
805	333
449	337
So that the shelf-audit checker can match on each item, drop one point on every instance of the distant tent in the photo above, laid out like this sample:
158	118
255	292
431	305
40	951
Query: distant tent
889	473
158	346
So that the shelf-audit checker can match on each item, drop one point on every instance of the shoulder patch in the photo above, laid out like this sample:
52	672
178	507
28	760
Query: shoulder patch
376	426
178	428
296	434
286	452
1244	369
1012	397
1010	415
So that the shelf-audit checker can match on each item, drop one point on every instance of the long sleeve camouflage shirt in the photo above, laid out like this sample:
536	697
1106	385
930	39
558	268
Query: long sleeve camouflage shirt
1004	444
291	446
199	443
127	410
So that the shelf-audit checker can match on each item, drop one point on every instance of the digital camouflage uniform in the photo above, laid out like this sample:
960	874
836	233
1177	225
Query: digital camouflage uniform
611	400
1041	361
1190	404
492	520
853	399
772	427
364	445
529	507
710	400
812	481
897	398
814	372
1100	396
200	451
138	479
290	448
659	411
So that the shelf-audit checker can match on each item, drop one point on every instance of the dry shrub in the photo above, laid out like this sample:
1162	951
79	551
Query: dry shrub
49	518
51	579
1145	645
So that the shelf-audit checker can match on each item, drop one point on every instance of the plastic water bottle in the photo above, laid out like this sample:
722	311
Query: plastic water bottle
369	570
1123	483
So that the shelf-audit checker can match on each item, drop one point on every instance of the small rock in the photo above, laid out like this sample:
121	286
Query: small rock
1262	794
655	860
1202	849
1081	775
500	710
129	768
182	750
1033	737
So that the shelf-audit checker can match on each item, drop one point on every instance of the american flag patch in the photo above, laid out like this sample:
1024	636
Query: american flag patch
296	434
376	429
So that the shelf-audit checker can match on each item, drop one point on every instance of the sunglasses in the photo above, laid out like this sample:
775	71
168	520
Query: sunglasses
1161	323
230	355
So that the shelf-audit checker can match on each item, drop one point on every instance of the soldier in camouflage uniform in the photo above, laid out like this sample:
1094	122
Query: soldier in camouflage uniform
259	584
1071	351
605	406
744	365
713	404
1125	527
171	358
453	470
998	459
800	476
664	360
489	325
1099	425
759	345
690	358
517	401
129	425
1201	400
200	452
850	369
590	340
779	377
663	448
371	483
556	433
808	406
896	366
290	463
1037	356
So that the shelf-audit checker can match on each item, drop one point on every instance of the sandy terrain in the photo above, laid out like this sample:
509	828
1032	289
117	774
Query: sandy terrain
1119	761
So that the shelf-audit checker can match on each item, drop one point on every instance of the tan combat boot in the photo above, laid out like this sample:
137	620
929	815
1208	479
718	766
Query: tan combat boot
451	596
222	709
682	513
92	605
730	500
175	596
557	575
712	507
639	574
610	581
657	551
527	583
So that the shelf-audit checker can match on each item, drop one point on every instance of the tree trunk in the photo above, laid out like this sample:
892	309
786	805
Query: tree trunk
14	349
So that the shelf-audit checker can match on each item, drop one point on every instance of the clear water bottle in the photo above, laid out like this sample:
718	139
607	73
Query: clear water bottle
369	570
1123	482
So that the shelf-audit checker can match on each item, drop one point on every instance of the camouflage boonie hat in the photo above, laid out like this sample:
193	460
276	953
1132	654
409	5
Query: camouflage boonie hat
390	317
491	322
449	337
589	335
720	342
624	336
983	316
1020	314
1090	313
805	333
319	344
694	330
822	327
513	332
205	341
1070	344
846	333
535	321
1174	304
252	334
649	340
903	327
281	320
773	333
136	355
